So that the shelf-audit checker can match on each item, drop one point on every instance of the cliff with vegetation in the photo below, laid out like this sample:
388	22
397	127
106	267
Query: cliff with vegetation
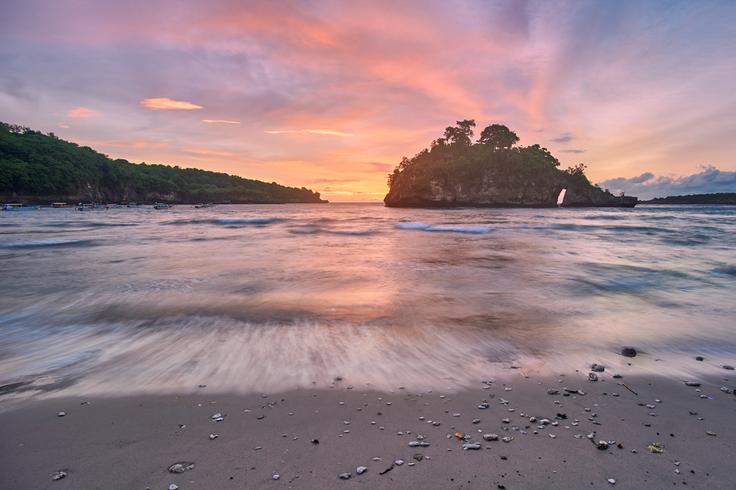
37	167
714	198
492	172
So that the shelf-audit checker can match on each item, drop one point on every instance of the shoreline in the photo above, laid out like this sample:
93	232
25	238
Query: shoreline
129	442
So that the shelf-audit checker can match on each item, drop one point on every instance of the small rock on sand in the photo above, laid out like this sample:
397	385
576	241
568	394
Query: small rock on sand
490	437
58	475
471	446
61	414
181	467
692	383
598	368
612	481
361	469
628	351
344	476
728	367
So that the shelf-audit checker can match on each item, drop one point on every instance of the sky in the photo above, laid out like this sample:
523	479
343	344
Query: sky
331	94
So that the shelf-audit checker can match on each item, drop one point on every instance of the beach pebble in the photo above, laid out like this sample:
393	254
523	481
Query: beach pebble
628	352
214	436
598	368
418	444
476	421
699	358
655	448
710	433
728	367
61	414
612	481
692	383
553	392
490	437
173	486
361	469
507	439
471	446
181	467
344	476
276	476
399	462
602	445
592	377
58	475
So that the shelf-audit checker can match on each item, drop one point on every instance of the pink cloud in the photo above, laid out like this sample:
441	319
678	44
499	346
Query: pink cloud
81	113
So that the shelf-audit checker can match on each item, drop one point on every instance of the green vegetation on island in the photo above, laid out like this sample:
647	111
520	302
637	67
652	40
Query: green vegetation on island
41	167
714	198
491	172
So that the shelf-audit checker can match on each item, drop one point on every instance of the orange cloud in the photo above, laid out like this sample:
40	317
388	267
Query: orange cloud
324	132
219	121
164	103
82	113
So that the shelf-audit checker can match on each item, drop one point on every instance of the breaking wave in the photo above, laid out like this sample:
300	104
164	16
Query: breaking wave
50	243
467	229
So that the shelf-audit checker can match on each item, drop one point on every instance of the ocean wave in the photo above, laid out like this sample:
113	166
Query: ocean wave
315	230
466	229
49	243
226	221
729	270
87	224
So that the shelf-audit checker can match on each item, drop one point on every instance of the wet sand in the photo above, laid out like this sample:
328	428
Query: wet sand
130	442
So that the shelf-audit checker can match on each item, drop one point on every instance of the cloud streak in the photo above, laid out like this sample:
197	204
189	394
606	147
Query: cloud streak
165	103
219	121
647	185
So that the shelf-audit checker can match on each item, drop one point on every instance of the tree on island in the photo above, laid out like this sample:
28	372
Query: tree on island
498	137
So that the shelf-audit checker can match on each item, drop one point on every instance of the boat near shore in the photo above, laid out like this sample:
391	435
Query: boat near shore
15	206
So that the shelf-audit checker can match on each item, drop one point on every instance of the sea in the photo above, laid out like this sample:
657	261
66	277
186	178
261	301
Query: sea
270	298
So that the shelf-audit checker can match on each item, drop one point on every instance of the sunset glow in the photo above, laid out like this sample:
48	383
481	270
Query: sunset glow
331	98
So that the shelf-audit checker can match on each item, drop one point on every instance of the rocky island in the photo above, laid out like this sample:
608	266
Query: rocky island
716	198
42	168
492	172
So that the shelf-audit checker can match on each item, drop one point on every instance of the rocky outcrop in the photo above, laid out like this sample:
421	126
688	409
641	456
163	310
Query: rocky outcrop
493	189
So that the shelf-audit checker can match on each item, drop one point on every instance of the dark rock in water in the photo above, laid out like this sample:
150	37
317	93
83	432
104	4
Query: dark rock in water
699	358
598	368
692	383
628	352
728	367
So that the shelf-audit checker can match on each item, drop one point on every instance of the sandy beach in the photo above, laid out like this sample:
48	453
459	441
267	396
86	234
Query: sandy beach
536	432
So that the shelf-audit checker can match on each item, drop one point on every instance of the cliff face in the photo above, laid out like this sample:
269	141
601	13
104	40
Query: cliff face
490	188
